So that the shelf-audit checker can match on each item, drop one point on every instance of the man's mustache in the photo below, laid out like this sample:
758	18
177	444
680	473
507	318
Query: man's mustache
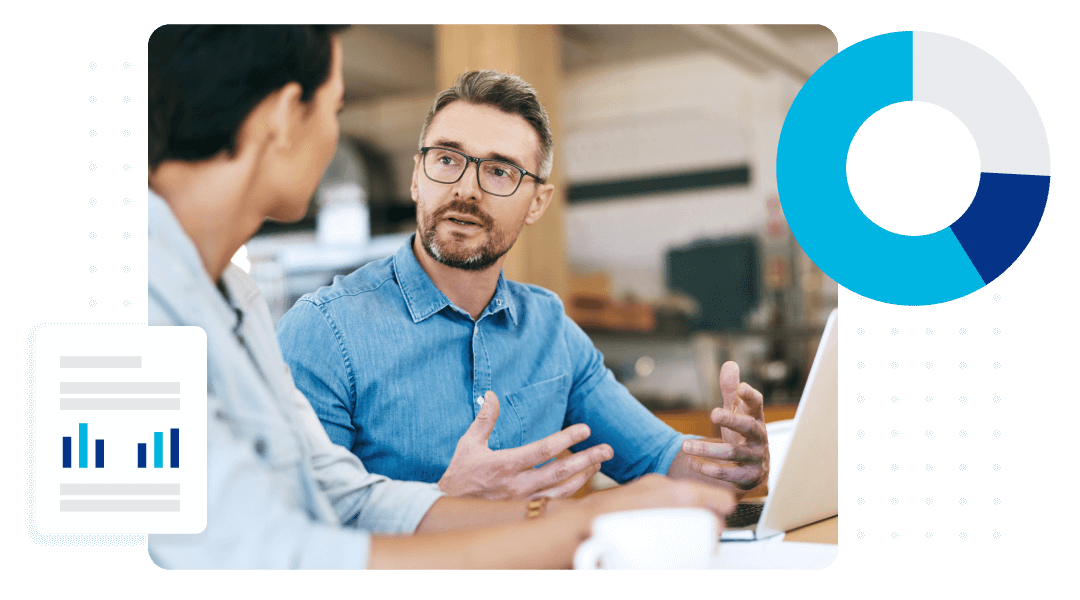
464	208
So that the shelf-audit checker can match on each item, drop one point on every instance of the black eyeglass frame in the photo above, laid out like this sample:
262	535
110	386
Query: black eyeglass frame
472	159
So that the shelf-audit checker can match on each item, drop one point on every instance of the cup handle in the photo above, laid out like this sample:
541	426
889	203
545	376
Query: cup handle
588	554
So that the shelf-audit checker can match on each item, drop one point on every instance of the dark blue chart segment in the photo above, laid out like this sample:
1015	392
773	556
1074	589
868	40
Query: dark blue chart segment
174	448
1001	220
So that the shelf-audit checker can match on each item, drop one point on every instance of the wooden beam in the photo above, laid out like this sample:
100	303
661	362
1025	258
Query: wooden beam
532	52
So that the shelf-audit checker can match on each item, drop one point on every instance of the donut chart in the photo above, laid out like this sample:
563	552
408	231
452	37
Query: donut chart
859	254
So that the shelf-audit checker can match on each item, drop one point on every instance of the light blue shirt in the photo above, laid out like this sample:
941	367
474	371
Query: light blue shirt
393	370
280	494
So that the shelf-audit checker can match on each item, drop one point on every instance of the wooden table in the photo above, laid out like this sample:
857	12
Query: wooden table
822	532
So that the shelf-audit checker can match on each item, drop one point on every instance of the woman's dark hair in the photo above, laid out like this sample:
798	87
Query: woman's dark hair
206	79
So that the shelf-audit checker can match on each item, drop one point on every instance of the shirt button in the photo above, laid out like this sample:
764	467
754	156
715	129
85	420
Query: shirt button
260	447
498	301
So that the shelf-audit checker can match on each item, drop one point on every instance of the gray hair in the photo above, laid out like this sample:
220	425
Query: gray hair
508	93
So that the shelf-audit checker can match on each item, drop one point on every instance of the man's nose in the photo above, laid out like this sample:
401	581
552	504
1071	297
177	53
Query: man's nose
468	185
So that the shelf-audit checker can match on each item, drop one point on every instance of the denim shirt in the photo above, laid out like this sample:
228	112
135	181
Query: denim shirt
280	494
393	370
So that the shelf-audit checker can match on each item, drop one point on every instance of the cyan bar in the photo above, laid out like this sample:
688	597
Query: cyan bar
119	404
67	452
119	387
119	506
119	489
100	362
174	448
159	442
99	454
82	445
142	456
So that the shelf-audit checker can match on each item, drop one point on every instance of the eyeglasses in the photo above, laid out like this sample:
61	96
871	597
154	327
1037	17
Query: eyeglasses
496	177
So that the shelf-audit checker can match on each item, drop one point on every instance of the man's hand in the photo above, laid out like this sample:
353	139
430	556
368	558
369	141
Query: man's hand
477	471
741	456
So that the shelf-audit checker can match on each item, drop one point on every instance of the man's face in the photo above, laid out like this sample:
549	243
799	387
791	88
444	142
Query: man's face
315	140
459	224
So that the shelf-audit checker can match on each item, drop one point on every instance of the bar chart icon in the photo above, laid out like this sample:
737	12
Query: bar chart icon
114	400
99	450
159	451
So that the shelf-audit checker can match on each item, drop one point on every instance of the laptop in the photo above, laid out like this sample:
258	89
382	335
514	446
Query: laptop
803	485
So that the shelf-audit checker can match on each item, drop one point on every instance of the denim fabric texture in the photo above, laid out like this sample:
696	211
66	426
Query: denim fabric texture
280	494
393	370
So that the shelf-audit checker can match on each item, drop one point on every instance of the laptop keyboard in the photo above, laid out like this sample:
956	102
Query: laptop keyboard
746	513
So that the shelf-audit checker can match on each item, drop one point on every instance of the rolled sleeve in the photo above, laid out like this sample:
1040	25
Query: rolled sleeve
320	368
641	441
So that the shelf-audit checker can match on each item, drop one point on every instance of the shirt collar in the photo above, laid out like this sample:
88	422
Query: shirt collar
182	272
424	299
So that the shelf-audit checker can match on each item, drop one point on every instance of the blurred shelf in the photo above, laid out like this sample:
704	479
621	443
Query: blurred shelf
785	332
696	422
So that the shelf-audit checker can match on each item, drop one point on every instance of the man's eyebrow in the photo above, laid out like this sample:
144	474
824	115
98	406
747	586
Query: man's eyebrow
497	156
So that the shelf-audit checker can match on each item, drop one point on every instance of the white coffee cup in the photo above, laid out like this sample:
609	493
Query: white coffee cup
663	538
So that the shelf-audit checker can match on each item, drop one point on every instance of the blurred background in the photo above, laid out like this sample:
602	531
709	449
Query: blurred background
666	240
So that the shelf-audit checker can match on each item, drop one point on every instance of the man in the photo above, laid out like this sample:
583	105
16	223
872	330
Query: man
242	123
396	357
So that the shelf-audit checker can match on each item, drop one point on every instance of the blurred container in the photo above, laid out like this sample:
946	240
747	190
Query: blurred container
269	276
343	215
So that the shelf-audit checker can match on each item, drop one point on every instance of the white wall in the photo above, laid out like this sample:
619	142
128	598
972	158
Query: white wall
680	113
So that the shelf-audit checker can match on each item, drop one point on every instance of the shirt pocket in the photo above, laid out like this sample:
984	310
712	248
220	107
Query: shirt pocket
539	408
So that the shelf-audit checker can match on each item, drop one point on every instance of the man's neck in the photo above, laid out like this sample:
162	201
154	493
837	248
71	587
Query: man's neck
470	291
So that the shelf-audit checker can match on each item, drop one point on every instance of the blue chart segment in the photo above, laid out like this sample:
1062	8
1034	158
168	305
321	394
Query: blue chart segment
811	168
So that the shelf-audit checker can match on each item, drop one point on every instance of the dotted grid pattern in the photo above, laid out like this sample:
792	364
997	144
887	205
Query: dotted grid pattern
924	404
104	230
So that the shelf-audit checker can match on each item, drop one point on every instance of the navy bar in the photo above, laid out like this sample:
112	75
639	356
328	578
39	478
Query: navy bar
142	456
99	454
67	452
174	448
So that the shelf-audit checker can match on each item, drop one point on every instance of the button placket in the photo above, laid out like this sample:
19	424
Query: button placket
481	376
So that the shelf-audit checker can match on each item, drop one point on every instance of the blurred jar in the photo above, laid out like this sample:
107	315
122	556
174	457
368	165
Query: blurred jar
268	274
343	214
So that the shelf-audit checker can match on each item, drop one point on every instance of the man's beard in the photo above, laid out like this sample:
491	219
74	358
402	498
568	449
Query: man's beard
444	252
